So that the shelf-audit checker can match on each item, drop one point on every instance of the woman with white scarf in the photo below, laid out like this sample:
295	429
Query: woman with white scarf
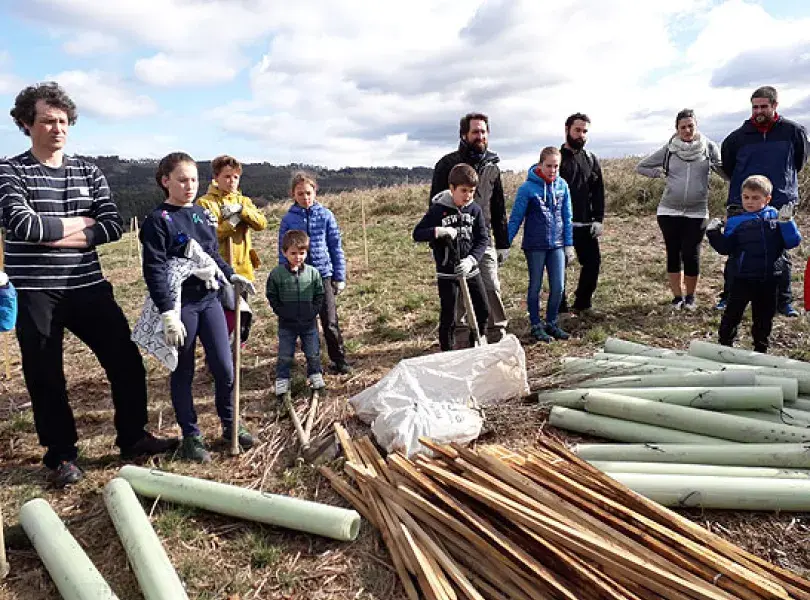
685	162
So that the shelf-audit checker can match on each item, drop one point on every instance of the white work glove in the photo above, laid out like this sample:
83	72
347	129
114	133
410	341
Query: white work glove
196	253
228	210
3	279
786	213
209	275
338	286
714	225
174	332
450	232
503	254
465	266
569	254
596	229
247	284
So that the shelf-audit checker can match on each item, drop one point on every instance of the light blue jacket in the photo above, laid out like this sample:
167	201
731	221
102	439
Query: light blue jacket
325	247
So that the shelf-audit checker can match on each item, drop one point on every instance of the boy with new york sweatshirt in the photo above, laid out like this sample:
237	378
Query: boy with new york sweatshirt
755	240
455	228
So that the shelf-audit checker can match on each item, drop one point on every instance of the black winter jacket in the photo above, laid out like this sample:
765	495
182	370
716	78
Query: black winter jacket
488	194
583	174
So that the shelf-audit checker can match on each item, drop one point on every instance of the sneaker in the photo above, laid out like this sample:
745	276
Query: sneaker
539	333
788	311
67	473
554	331
721	304
282	386
149	445
677	303
316	381
193	448
245	437
341	367
689	302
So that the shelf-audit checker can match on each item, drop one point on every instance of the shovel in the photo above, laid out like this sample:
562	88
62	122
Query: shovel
237	368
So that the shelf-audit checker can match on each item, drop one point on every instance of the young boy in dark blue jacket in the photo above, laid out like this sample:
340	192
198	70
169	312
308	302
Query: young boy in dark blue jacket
455	228
755	240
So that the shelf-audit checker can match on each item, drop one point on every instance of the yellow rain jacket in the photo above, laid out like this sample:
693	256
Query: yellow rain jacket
244	259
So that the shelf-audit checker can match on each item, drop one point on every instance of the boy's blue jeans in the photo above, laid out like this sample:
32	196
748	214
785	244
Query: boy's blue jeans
554	262
310	344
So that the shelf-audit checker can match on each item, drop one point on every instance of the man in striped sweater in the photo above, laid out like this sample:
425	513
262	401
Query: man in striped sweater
56	209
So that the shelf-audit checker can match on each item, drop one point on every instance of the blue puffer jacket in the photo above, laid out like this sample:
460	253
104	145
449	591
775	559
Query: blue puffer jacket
756	242
325	248
546	208
8	307
779	155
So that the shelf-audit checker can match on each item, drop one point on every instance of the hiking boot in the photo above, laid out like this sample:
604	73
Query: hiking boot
149	445
245	437
589	313
282	387
689	302
316	381
539	333
721	304
787	310
67	473
554	331
676	303
193	448
341	367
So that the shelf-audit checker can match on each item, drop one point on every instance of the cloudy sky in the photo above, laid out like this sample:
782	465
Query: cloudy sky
366	82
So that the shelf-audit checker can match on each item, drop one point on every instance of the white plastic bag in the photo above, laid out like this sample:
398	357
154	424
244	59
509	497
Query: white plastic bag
486	375
443	422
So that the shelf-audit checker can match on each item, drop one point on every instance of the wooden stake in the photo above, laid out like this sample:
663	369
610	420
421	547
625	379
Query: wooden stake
237	368
363	217
138	241
4	568
131	240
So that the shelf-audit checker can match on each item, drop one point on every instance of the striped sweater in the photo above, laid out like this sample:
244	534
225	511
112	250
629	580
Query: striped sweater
33	200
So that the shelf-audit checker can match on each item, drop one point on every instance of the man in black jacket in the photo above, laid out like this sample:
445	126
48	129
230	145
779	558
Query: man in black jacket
582	172
473	150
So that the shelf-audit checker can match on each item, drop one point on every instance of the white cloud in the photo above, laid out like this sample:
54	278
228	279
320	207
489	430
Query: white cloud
184	70
89	43
103	95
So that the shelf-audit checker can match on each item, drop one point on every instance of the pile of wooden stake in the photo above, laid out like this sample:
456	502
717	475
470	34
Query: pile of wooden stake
493	523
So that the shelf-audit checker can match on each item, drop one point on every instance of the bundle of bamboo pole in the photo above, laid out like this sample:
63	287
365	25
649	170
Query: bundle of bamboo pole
497	524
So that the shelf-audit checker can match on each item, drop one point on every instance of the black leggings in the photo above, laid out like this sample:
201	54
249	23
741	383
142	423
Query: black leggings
682	238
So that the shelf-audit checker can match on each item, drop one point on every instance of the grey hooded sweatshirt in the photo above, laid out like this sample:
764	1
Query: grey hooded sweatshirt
687	182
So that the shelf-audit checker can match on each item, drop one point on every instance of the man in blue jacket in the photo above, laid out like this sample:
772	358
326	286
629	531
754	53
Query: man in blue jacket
767	144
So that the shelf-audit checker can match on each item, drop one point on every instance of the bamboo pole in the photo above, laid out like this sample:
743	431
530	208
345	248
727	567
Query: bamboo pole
130	240
363	218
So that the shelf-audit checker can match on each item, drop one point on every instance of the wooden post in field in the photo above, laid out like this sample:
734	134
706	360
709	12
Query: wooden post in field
363	217
4	568
131	235
138	241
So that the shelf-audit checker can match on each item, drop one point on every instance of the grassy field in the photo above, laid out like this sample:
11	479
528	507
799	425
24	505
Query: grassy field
388	312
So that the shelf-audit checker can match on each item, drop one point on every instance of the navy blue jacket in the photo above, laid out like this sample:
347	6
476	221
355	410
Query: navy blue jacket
546	208
472	239
164	235
325	247
778	154
756	242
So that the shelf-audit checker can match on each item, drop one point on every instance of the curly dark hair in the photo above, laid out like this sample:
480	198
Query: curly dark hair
25	105
464	123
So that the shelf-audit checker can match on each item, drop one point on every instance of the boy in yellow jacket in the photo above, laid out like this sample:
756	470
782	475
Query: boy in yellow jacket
236	215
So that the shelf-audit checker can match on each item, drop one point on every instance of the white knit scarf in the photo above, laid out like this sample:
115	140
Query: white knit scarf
688	151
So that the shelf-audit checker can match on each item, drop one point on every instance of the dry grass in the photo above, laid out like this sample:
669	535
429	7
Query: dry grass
389	311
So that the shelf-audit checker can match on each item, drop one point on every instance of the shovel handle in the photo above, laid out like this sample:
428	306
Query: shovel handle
237	367
468	307
302	435
313	407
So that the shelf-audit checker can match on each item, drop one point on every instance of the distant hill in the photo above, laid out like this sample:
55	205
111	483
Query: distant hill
136	193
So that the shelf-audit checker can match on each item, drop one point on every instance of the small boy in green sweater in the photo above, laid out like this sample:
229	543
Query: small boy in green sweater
295	292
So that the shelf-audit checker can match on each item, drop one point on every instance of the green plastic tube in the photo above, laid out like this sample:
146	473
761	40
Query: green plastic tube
659	468
730	493
590	366
623	431
786	417
293	513
617	346
152	567
785	456
74	575
726	354
693	420
709	398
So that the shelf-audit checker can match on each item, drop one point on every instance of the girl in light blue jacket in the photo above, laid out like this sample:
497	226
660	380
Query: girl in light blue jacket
544	203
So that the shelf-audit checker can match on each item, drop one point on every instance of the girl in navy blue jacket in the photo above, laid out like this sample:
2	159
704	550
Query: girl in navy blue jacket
544	203
165	234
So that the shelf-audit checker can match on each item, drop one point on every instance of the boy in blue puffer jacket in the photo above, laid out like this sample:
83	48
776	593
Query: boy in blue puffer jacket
325	254
544	202
755	240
